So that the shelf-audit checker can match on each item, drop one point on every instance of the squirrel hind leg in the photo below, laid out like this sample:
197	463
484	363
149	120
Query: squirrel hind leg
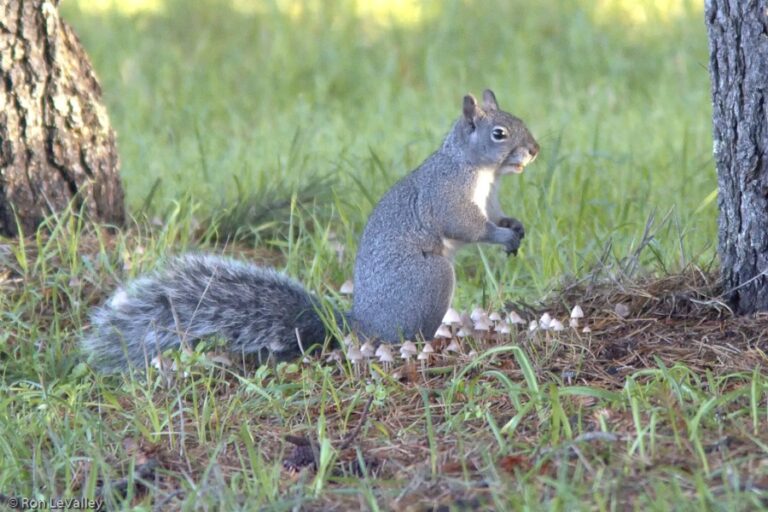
408	303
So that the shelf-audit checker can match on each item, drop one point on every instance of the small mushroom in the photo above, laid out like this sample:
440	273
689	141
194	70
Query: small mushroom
466	320
347	288
367	349
504	329
409	348
514	319
482	325
556	325
577	312
452	317
464	332
533	326
354	354
586	329
453	346
545	322
423	357
443	332
494	317
385	356
574	322
478	314
355	357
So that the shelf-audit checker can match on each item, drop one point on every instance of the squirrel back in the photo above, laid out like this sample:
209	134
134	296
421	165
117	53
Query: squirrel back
256	310
404	277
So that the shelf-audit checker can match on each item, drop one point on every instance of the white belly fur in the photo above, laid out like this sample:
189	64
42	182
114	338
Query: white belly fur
481	197
483	187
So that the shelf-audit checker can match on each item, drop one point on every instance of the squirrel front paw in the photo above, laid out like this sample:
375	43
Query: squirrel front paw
512	242
518	231
512	246
513	224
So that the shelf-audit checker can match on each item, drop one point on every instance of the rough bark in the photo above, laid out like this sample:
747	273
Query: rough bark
738	42
56	142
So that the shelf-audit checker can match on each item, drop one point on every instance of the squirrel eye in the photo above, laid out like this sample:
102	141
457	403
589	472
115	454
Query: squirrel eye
499	133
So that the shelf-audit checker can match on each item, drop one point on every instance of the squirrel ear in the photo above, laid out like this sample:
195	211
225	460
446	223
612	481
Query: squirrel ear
471	110
489	100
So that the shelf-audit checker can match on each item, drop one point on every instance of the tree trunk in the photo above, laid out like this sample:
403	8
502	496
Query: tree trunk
738	66
56	143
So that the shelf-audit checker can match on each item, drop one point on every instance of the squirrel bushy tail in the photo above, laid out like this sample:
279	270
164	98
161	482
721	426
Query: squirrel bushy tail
256	310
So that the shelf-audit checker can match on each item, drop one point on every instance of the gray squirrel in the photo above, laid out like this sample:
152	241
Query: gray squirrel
403	279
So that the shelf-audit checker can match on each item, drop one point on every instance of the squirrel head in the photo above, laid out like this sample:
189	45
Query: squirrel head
489	137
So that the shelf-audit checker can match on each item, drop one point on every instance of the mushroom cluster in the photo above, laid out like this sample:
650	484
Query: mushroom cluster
478	324
549	323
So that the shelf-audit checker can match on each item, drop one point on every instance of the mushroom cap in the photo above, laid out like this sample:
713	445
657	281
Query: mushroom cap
428	348
494	317
347	288
586	329
482	325
354	354
514	318
452	317
556	325
453	346
574	322
443	332
463	333
409	347
367	349
386	356
504	329
478	314
545	321
423	356
383	349
577	312
533	325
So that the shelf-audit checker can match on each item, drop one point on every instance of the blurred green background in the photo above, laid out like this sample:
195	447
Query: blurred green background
217	99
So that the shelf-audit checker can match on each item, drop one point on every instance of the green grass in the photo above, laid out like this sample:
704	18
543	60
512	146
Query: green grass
216	105
209	100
